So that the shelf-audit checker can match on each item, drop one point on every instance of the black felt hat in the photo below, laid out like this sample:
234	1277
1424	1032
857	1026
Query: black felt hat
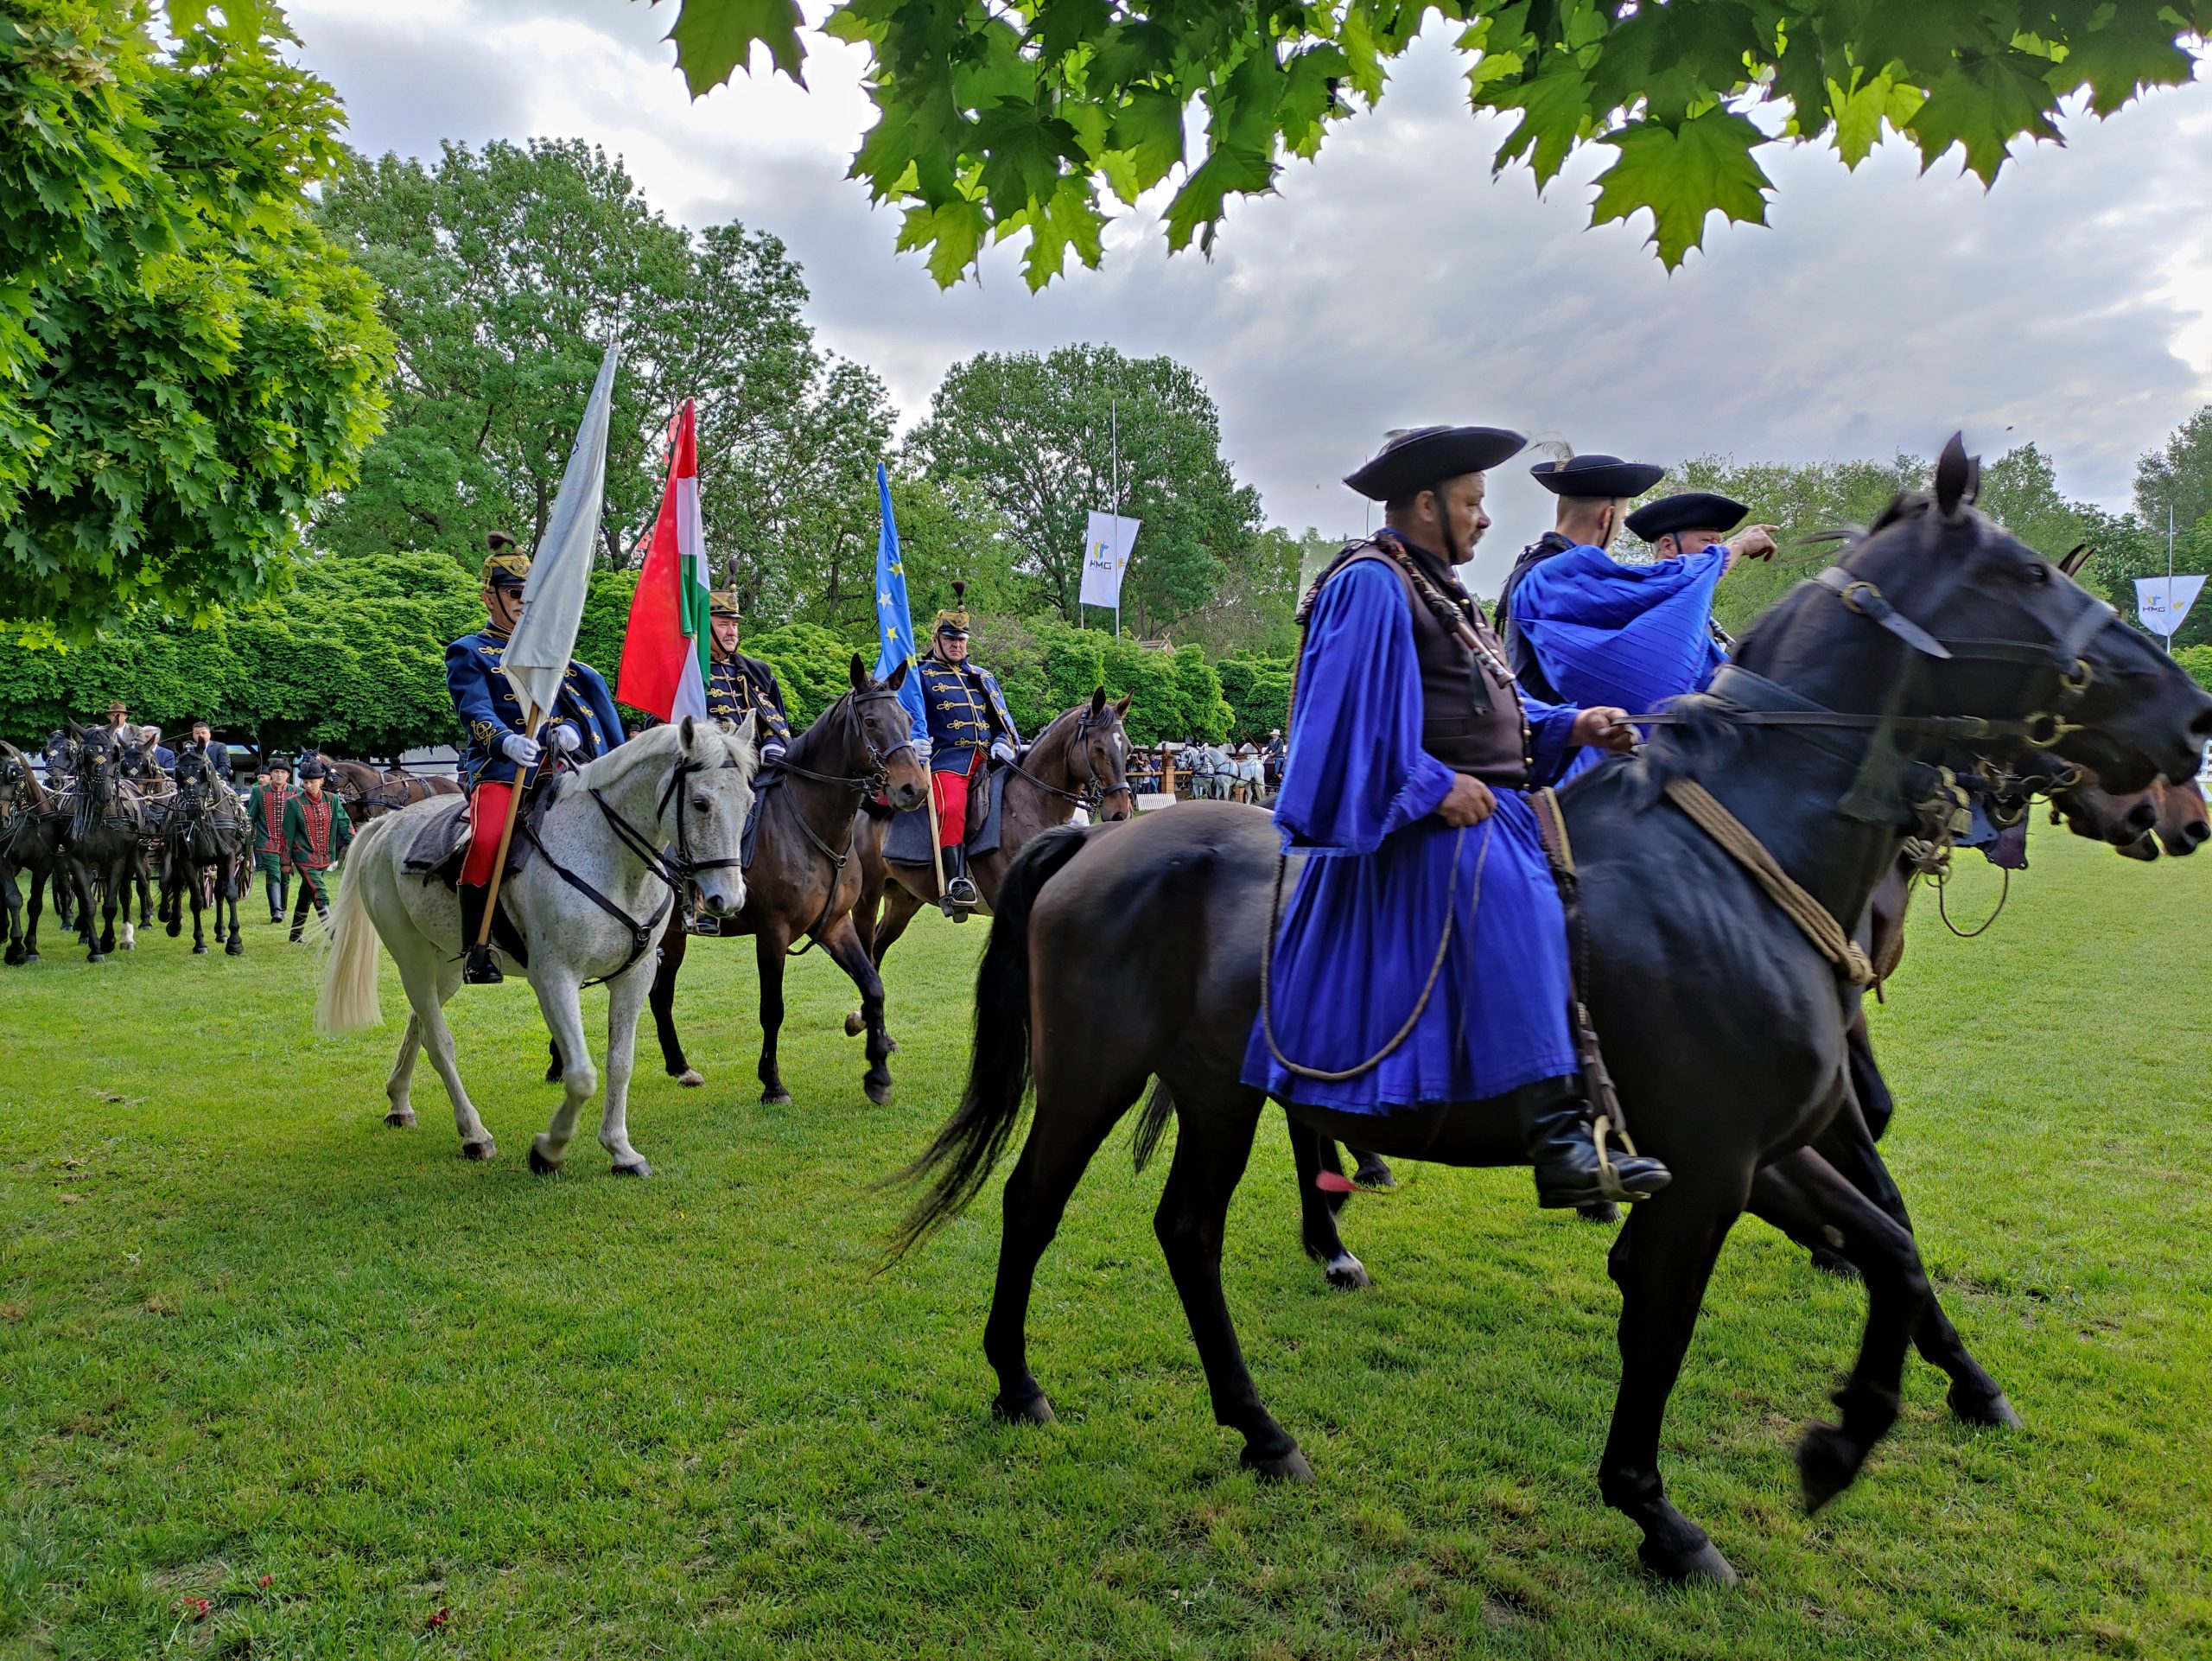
313	770
1689	510
1604	477
1421	457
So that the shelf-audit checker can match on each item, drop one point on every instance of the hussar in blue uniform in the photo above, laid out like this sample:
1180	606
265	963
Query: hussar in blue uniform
1586	628
966	727
1422	958
495	751
740	686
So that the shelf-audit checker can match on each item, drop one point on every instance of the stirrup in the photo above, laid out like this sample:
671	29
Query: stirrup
1609	1176
480	968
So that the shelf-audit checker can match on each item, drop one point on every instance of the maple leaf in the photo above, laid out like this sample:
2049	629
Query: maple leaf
1555	109
1981	106
714	40
1682	174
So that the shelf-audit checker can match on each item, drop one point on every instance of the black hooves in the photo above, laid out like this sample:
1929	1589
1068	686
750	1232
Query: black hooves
541	1166
1277	1467
235	948
1828	1463
1972	1407
553	1074
777	1097
1035	1410
1704	1564
880	1094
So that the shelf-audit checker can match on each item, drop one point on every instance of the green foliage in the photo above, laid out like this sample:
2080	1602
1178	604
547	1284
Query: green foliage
1034	436
187	363
813	665
994	120
2197	662
1258	693
503	272
2177	475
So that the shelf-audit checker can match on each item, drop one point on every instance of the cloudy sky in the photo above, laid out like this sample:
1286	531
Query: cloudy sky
1394	282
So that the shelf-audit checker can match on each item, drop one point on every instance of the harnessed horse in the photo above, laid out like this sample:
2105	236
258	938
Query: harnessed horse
203	832
1725	1018
107	831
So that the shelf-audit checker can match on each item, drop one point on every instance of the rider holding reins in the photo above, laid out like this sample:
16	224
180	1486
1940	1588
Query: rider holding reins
967	722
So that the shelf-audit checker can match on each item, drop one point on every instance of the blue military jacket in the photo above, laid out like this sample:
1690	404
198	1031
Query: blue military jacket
740	686
484	701
963	707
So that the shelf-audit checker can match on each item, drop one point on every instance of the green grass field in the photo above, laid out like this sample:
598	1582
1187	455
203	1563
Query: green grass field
259	1349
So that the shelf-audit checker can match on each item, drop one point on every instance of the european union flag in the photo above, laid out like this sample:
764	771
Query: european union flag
894	628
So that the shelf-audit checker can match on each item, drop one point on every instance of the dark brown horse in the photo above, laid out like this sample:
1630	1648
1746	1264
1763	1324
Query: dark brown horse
803	882
108	827
1080	760
1725	1030
205	841
369	792
33	836
2166	817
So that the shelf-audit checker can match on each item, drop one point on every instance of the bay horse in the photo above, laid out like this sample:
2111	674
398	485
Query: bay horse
804	881
1079	760
587	906
1724	1028
203	833
370	792
108	827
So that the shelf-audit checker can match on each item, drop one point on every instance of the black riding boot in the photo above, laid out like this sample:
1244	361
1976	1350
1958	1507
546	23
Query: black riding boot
1573	1168
479	967
960	894
274	887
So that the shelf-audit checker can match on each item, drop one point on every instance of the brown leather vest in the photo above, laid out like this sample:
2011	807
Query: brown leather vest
1491	745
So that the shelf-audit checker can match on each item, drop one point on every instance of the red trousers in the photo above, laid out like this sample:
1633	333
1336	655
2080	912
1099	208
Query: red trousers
487	816
950	791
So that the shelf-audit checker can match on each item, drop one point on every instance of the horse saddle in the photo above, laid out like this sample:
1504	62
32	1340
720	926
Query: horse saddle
907	841
749	838
441	847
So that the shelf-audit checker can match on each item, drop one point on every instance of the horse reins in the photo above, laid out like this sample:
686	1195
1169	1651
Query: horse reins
1092	797
870	784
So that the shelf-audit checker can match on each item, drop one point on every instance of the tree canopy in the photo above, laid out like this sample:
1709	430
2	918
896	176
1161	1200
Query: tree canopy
1035	434
187	362
995	119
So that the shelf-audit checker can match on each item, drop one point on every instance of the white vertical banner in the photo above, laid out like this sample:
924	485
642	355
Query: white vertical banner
538	654
1107	541
2163	602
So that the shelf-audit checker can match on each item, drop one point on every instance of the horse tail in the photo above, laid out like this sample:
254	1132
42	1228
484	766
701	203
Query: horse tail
1152	1124
990	1109
348	999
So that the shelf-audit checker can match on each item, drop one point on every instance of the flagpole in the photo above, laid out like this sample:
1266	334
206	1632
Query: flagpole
2170	579
1113	440
506	834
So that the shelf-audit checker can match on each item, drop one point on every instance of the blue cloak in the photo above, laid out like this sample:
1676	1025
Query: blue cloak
1632	636
1360	931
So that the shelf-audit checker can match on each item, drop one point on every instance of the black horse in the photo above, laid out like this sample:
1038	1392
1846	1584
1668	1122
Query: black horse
107	827
204	833
1724	1028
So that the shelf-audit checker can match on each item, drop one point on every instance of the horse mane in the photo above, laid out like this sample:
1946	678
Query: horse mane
805	745
1700	737
654	744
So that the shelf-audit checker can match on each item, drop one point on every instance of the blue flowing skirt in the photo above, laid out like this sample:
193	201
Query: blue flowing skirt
1358	937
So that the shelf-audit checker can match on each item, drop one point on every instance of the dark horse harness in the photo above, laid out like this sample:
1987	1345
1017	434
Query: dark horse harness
674	869
871	783
1092	797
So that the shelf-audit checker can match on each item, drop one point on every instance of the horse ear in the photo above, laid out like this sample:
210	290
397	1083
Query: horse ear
898	676
2074	559
1099	702
1954	478
859	673
75	731
1123	708
685	733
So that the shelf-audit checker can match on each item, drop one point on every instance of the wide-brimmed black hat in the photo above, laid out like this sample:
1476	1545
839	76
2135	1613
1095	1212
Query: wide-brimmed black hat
1421	457
1600	477
1689	510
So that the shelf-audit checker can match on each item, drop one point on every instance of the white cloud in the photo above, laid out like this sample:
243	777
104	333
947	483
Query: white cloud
1394	281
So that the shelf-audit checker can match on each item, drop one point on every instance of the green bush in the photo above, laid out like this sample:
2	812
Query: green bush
2197	661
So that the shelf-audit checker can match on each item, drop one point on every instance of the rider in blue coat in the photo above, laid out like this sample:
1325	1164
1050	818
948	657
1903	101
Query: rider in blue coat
1421	957
966	726
582	723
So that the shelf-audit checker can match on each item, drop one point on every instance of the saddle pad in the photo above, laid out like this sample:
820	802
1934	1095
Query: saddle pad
438	838
907	841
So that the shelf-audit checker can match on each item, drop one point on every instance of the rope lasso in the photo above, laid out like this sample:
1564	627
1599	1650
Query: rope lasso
1428	987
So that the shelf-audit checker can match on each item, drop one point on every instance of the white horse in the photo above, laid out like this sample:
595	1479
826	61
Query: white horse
688	786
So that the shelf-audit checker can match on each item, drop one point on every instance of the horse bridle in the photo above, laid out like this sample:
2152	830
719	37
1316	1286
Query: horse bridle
1093	796
873	782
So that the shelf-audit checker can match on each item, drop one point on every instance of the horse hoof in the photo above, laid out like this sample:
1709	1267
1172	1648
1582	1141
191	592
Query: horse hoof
1346	1273
635	1168
96	957
478	1151
880	1094
541	1166
1281	1468
1603	1212
553	1075
175	929
28	957
855	1026
691	1079
1991	1410
1830	1262
401	1118
777	1097
1035	1410
235	948
1705	1565
1828	1462
199	951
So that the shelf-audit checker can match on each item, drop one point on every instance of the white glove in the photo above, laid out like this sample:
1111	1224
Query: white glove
567	738
921	749
520	749
772	752
1001	748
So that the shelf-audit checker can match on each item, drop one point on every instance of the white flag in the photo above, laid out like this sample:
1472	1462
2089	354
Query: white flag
560	572
1106	543
2164	608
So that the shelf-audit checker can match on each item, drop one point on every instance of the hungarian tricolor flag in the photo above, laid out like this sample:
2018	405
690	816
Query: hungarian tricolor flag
664	652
